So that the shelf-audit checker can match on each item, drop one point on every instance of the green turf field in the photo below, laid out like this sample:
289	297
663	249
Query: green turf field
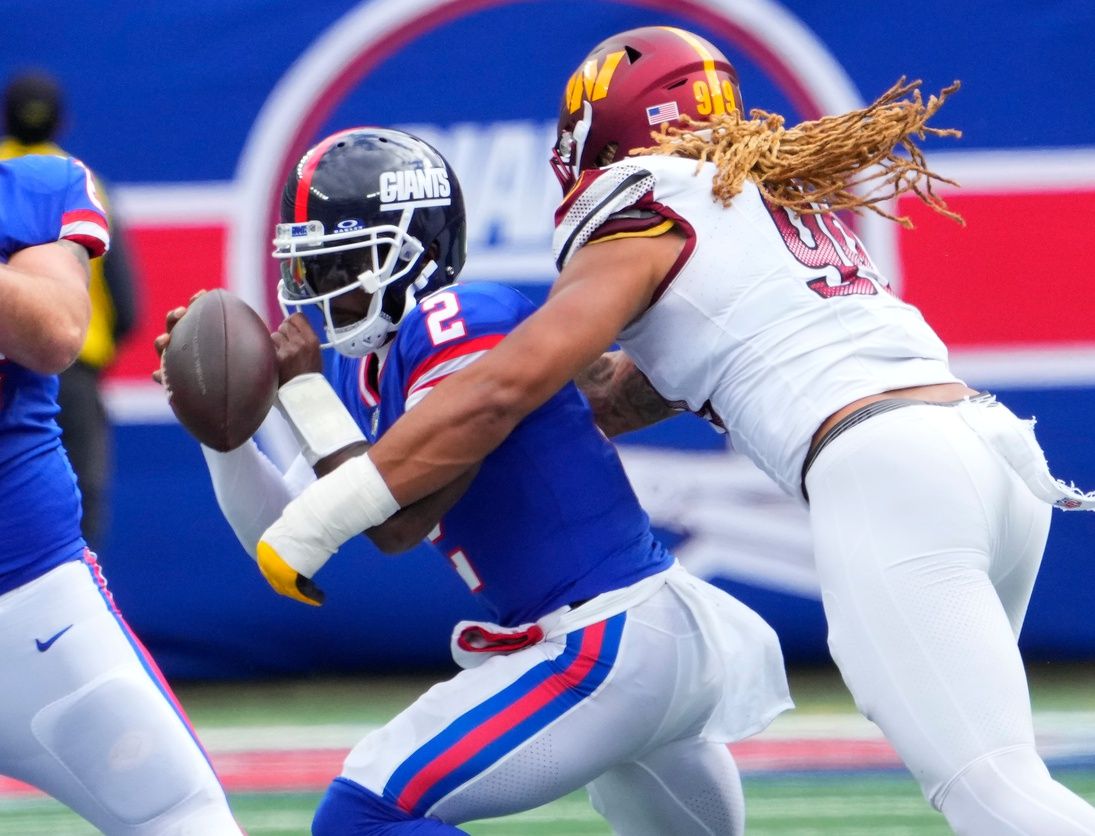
312	713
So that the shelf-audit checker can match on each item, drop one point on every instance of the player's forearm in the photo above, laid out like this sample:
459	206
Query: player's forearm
621	397
471	412
250	491
413	524
468	416
44	306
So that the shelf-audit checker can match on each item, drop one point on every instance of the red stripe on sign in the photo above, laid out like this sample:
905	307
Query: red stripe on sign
1018	273
485	734
173	263
451	353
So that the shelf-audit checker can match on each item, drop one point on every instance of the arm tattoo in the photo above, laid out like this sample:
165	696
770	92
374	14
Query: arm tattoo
620	395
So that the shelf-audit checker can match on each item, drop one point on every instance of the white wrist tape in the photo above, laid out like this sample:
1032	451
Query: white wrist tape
319	420
345	502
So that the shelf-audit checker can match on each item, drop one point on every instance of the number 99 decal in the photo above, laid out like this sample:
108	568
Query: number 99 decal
713	105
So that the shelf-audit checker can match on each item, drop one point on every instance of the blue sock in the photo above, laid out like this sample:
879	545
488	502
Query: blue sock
348	809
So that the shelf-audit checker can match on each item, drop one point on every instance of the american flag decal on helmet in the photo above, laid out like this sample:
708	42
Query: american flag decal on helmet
656	114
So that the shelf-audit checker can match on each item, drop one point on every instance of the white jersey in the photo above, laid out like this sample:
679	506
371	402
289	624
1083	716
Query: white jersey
769	322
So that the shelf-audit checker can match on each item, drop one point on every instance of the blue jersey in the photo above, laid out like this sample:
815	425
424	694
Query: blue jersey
42	199
550	519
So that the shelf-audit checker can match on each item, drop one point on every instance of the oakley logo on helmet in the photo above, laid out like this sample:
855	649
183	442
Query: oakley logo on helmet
415	187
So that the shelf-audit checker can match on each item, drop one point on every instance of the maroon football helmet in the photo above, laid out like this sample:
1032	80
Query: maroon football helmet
632	83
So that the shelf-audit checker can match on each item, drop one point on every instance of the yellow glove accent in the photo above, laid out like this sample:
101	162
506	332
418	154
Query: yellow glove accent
286	580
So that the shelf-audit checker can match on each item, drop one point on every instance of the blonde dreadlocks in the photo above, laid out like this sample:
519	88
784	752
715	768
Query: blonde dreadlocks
817	166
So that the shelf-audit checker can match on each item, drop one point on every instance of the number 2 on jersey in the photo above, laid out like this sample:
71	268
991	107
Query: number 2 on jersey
459	562
442	311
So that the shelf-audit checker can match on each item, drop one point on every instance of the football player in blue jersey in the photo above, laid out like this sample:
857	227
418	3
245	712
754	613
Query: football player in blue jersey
84	715
710	248
608	665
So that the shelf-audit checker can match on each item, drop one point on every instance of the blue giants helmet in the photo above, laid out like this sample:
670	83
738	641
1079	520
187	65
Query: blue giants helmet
373	210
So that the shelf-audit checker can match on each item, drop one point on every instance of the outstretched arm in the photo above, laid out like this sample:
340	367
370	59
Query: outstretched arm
621	397
411	525
298	353
603	288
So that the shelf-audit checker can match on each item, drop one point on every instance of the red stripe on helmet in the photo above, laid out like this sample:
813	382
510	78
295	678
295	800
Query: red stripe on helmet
300	203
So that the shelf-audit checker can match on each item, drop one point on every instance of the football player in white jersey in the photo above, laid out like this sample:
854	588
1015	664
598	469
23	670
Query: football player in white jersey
710	250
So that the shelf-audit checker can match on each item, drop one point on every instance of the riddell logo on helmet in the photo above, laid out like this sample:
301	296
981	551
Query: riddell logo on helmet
413	185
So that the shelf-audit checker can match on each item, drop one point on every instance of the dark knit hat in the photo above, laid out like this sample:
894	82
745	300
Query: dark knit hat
32	108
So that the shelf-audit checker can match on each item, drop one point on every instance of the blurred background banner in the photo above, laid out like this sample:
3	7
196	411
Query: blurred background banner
193	112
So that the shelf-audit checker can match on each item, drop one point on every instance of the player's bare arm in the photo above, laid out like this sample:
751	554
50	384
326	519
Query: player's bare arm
603	288
409	526
620	395
298	352
46	306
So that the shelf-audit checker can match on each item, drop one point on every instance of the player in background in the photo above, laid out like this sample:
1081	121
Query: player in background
84	713
609	666
712	252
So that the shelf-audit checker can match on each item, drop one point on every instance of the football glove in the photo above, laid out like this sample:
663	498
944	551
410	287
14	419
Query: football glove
286	580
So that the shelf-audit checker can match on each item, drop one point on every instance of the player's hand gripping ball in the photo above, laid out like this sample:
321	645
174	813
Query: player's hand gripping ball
220	370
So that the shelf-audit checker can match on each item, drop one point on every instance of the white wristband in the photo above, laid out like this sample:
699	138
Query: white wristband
319	420
345	502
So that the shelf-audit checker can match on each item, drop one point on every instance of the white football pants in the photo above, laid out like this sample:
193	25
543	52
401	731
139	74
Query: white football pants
618	706
927	546
86	717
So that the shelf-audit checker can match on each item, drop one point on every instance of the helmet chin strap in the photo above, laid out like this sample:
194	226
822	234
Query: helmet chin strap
580	134
411	299
428	269
366	336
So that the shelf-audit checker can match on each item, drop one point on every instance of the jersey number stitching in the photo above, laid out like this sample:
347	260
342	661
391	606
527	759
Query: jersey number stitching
824	243
441	311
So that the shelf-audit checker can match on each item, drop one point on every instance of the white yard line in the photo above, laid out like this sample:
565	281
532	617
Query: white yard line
1059	732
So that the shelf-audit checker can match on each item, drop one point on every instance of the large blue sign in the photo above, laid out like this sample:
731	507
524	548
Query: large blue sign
194	111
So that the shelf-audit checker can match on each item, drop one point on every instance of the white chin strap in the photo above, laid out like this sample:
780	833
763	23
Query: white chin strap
580	134
369	334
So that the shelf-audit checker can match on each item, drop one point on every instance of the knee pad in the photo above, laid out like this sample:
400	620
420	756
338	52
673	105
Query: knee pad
121	742
348	809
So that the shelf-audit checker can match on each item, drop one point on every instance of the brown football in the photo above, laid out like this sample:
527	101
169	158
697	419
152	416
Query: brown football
220	370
